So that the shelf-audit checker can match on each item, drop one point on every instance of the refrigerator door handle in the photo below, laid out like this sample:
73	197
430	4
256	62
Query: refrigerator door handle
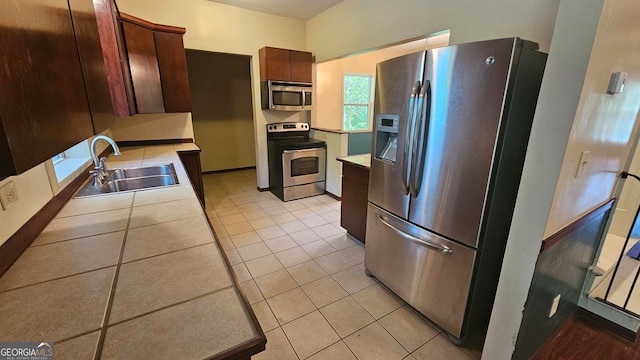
417	168
408	143
436	247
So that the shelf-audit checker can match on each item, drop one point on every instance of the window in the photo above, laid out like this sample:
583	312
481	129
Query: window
65	166
357	102
56	159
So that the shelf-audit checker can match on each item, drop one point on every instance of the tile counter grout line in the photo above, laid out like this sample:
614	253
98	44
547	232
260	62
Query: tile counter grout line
57	278
103	331
171	305
77	238
166	253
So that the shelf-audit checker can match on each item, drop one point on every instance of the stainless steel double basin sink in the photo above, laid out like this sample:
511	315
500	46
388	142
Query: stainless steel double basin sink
119	180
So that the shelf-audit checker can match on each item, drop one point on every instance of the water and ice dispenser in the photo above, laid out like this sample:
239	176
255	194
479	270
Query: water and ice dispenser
386	137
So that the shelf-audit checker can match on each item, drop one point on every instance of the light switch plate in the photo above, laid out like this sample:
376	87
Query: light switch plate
617	82
582	163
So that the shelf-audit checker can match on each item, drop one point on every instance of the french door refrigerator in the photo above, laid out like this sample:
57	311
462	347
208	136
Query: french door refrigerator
450	135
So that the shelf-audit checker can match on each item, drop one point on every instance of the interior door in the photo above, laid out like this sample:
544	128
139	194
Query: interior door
460	122
397	84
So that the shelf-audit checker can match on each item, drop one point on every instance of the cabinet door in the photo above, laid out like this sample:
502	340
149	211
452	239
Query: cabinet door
301	66
95	75
173	71
143	64
115	58
43	104
275	64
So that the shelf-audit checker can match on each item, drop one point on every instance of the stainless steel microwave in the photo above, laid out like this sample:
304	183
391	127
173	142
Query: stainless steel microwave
286	96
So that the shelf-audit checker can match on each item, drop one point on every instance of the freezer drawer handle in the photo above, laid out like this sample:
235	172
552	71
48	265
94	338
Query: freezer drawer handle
437	247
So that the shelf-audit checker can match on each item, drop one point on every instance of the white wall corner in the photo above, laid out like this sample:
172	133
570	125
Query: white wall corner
569	54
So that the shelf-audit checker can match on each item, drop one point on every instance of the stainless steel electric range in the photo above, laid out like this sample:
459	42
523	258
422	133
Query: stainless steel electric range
297	163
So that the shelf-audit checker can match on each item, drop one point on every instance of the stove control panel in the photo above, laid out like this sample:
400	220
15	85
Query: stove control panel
287	127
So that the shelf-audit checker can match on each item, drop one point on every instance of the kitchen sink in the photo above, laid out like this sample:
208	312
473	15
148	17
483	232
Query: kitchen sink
119	174
137	183
119	180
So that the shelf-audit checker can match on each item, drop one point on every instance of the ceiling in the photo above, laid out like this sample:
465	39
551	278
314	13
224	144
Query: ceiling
297	9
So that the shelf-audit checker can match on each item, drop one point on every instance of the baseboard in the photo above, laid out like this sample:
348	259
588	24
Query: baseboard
599	321
227	170
262	189
154	142
333	195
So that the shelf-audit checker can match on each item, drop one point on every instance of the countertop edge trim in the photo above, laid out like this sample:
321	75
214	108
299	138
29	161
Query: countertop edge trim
567	230
246	348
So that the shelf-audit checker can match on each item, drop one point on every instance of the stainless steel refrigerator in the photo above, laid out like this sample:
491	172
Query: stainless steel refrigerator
450	135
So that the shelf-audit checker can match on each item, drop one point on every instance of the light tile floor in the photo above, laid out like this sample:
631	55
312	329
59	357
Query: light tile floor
304	277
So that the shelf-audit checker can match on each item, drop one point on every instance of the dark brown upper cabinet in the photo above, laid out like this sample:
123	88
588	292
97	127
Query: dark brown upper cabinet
172	62
44	108
143	65
285	65
95	75
146	63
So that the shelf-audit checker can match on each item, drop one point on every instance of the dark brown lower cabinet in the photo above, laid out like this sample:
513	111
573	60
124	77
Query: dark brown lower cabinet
353	211
191	161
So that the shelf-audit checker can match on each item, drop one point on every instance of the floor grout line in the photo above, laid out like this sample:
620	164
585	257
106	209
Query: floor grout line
220	190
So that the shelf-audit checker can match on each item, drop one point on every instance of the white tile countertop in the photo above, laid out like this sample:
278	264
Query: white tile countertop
129	275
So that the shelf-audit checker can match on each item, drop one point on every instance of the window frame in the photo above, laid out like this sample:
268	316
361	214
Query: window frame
62	171
369	104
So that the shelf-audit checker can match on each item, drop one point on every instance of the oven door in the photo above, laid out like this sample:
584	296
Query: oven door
303	166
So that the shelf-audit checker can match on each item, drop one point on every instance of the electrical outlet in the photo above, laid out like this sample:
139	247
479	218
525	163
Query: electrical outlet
8	195
554	305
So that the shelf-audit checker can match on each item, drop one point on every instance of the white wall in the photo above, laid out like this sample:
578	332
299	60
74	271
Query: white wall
604	123
356	25
34	192
559	96
336	147
153	127
327	112
222	28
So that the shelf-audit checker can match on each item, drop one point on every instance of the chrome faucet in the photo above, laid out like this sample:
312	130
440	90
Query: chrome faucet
100	166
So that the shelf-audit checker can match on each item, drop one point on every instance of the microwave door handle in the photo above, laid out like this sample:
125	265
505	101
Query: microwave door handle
436	247
303	99
406	169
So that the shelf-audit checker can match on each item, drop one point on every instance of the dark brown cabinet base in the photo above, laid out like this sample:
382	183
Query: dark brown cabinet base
355	188
191	161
